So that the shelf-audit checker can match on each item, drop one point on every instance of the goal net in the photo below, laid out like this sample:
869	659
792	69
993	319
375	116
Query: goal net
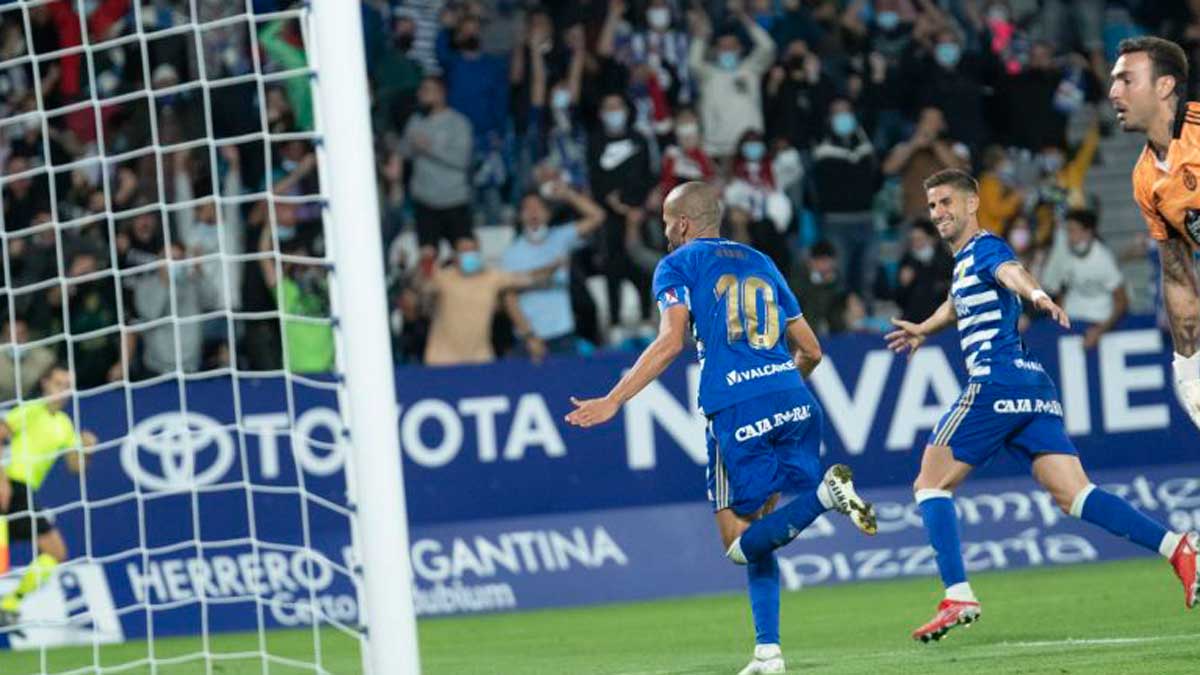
167	248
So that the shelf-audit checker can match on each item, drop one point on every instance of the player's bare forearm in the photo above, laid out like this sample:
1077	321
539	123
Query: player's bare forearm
1181	295
1013	276
1016	278
653	361
806	348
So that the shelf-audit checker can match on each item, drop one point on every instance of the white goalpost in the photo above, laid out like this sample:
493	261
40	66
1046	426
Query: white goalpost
191	230
348	157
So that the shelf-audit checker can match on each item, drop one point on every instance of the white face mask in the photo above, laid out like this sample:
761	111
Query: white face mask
560	99
923	254
1019	239
536	233
659	18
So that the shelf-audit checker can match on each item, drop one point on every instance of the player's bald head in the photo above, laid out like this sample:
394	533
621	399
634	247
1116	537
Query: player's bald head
698	202
691	210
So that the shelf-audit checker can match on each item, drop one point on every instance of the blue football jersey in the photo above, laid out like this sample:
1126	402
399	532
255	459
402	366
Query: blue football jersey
740	307
987	317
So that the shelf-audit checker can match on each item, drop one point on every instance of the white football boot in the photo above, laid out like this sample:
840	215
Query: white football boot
840	481
767	659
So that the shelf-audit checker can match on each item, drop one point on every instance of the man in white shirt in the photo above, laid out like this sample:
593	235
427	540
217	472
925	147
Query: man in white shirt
1085	276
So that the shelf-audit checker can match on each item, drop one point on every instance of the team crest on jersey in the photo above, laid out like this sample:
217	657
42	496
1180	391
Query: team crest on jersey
1189	180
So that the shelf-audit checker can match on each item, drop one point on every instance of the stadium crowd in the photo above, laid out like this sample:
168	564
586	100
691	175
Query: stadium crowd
567	122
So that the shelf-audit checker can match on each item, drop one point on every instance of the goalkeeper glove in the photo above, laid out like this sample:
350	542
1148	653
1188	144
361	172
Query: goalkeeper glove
1187	384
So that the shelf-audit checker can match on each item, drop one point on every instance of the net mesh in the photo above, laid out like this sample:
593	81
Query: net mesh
162	240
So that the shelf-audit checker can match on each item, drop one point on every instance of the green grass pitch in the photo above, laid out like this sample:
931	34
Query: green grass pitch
1125	617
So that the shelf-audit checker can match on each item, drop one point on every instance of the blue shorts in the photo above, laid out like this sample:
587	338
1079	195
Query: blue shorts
768	444
989	417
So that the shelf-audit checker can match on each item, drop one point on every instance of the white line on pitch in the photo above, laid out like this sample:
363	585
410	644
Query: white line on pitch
1091	641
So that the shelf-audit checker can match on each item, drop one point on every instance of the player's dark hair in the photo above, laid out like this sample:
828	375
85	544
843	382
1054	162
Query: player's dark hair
956	178
1166	58
1085	217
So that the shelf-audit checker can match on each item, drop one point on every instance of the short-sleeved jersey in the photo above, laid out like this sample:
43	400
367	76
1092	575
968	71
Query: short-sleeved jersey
1168	192
740	306
987	316
38	435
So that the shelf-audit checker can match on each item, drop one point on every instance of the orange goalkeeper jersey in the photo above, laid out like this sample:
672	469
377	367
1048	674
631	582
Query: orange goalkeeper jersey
1167	192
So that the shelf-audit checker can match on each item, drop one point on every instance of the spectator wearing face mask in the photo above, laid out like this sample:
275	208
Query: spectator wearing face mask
555	137
619	171
438	141
685	159
543	318
395	76
954	81
1019	234
928	151
925	272
1061	182
846	176
730	91
301	294
660	47
1086	277
1033	115
797	95
1000	197
178	289
826	300
755	189
477	84
465	295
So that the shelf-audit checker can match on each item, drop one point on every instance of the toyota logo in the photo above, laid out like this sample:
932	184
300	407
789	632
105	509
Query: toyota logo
177	439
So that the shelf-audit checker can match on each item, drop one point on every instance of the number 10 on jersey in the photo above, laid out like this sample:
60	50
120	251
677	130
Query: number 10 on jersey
741	310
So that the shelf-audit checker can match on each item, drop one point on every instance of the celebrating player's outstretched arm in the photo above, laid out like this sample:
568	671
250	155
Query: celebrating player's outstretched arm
764	424
1149	81
653	361
909	336
1013	276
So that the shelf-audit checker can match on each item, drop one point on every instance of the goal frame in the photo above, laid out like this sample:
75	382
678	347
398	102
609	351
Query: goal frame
346	158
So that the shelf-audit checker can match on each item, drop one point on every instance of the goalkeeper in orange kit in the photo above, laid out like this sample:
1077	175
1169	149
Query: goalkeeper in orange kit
1149	82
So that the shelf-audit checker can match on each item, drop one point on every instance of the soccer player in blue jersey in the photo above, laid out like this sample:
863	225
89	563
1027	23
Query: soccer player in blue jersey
1009	403
764	425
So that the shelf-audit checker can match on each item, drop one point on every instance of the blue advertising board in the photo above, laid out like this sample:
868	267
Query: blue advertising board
232	517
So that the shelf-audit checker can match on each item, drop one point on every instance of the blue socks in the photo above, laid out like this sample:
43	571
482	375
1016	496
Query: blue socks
763	577
1118	516
782	526
941	524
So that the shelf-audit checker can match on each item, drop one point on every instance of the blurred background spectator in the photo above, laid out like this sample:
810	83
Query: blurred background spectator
1085	276
495	120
